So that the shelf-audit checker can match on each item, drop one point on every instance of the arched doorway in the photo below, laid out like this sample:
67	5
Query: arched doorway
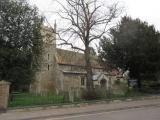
103	83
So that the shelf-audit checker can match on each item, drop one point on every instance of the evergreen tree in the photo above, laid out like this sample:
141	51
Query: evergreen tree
134	45
20	42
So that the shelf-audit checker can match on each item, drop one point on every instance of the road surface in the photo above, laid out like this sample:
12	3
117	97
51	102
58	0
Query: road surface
146	109
145	113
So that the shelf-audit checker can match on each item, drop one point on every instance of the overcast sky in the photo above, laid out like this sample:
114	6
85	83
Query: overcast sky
146	10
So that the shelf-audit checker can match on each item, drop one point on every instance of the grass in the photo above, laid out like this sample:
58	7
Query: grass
27	99
31	100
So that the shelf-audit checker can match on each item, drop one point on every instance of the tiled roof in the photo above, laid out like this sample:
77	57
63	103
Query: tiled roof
75	58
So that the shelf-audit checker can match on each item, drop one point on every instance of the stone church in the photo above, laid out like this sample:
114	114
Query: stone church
62	70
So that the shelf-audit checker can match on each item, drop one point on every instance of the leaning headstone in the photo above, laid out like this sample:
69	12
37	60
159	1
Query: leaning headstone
4	95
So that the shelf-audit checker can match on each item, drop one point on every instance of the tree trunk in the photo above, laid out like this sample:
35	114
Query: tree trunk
88	69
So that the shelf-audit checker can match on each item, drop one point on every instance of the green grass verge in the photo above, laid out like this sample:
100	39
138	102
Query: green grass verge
27	99
21	100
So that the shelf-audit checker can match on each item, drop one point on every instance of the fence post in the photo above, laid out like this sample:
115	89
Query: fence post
4	95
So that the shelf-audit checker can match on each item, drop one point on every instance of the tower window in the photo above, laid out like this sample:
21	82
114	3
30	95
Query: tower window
48	56
48	67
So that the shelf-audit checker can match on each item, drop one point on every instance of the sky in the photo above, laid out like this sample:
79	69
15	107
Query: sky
146	10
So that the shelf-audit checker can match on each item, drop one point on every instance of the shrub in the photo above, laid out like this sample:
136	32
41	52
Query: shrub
90	95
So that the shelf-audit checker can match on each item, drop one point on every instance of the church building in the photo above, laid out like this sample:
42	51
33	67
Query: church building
62	70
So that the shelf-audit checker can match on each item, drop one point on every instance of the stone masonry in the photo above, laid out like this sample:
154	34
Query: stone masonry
4	95
46	80
63	70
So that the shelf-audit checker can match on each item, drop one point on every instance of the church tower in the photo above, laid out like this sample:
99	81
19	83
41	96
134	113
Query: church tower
45	77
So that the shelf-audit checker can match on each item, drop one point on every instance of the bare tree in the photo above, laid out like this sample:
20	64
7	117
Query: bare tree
87	21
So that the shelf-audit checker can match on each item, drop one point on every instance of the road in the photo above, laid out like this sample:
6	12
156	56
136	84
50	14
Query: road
146	109
145	113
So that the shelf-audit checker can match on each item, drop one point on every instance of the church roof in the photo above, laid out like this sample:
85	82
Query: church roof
67	57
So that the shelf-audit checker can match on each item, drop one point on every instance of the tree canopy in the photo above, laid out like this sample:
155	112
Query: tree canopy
133	45
20	41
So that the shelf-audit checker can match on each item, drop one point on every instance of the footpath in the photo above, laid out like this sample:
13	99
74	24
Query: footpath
83	108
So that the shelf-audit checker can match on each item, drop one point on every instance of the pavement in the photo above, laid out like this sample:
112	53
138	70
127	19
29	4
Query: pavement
85	110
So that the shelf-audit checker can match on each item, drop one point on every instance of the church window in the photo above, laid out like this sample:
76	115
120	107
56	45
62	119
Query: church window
48	67
48	56
82	81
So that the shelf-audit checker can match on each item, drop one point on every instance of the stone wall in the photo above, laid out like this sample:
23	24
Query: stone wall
71	81
4	95
46	77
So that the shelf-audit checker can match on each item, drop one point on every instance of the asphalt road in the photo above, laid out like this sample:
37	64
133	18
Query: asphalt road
145	109
146	113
